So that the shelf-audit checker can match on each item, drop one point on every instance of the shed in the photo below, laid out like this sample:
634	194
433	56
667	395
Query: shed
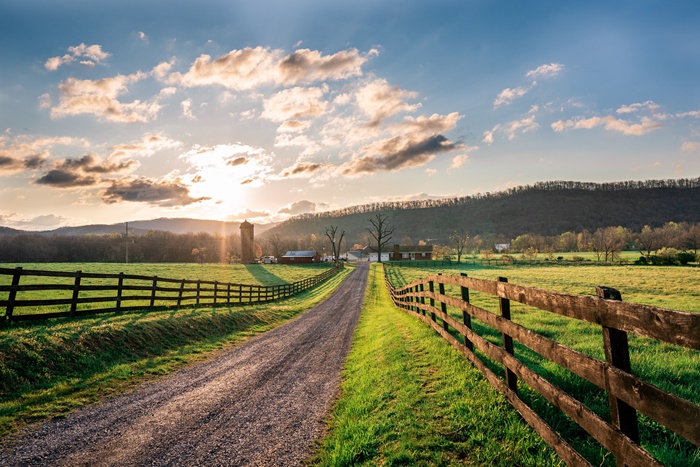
300	257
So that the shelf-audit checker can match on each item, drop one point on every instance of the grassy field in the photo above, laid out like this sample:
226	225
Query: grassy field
51	367
409	398
669	367
249	274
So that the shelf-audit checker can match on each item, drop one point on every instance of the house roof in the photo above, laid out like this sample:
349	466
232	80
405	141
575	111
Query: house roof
300	254
415	249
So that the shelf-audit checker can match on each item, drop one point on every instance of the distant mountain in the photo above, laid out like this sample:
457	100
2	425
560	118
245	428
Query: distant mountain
176	225
547	208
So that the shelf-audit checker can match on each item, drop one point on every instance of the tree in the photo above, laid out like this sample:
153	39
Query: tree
610	242
647	240
381	231
330	232
276	244
460	242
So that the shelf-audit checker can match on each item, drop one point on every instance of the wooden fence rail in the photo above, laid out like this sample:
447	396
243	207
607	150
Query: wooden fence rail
143	292
627	394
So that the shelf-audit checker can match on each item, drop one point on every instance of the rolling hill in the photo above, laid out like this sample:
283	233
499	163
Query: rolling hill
547	208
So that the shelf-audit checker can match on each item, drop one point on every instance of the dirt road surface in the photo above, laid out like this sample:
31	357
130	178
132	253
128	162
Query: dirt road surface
262	403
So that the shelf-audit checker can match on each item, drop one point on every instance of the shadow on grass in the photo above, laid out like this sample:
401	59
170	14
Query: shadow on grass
263	275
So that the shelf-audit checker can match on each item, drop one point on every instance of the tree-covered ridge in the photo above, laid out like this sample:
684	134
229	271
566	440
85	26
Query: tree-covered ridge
552	185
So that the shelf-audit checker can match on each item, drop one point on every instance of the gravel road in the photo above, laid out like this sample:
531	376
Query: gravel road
262	403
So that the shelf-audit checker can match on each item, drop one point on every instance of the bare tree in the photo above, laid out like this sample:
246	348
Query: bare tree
648	240
381	231
330	232
460	241
276	243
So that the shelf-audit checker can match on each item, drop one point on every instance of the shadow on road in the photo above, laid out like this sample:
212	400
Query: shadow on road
263	275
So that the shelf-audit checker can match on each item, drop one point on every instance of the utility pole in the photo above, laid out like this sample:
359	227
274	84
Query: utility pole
126	241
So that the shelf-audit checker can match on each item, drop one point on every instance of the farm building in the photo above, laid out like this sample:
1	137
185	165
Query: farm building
300	257
247	242
404	253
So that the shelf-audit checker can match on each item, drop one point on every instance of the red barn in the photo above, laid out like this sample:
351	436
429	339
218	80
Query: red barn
300	257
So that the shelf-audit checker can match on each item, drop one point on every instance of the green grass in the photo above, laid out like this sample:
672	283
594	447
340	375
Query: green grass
50	368
672	368
255	274
409	398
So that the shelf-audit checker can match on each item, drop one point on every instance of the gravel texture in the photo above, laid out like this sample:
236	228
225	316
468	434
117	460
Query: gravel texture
262	403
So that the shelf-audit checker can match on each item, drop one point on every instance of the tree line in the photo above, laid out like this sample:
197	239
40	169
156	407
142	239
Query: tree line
668	244
554	185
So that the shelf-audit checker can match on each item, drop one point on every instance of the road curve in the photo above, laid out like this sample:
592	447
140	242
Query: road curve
262	403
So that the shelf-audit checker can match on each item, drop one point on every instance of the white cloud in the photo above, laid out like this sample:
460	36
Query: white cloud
690	146
511	129
545	71
295	103
508	95
216	170
632	108
186	107
379	101
611	123
99	98
148	145
249	68
91	54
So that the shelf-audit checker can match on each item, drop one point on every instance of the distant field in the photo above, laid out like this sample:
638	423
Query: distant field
673	287
672	368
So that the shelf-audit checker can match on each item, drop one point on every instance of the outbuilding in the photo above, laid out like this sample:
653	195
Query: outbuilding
300	257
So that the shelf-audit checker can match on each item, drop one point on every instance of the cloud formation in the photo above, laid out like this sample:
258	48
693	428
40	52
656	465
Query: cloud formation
162	193
610	123
100	98
249	68
379	101
81	172
511	129
91	54
397	153
545	71
299	207
294	104
508	95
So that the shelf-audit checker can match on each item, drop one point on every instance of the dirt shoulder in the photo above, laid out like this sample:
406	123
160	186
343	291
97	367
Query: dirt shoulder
262	403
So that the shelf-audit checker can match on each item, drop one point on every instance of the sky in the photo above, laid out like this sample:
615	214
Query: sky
117	111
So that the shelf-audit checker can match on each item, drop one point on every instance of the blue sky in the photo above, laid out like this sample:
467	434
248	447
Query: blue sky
124	110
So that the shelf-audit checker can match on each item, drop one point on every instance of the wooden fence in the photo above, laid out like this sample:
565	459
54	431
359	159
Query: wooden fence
124	292
627	394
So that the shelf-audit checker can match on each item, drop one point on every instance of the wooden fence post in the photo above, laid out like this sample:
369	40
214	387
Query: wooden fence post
228	293
76	292
431	287
13	293
617	354
216	290
466	317
199	288
179	295
443	305
422	299
504	306
153	291
120	286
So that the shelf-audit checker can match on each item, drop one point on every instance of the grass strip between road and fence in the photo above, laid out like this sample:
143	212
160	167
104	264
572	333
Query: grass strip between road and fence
50	368
409	398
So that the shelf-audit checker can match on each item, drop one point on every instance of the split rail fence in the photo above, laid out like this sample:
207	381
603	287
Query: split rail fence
124	292
627	394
